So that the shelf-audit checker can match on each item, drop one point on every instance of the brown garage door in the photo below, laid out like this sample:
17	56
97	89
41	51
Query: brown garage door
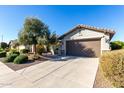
85	48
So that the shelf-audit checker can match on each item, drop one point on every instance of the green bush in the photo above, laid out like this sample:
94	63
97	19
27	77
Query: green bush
3	45
21	59
112	65
24	51
10	58
16	53
117	45
1	49
2	54
12	52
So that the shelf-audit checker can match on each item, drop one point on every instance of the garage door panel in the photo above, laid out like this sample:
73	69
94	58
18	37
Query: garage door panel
86	48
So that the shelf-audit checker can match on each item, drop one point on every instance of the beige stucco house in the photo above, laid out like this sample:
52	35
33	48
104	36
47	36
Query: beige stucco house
15	45
85	41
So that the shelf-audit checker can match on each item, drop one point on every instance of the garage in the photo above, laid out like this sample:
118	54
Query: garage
85	41
84	47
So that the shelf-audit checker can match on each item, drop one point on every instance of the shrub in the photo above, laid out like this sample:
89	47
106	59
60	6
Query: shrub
3	45
40	49
24	51
21	59
117	45
7	49
16	53
34	57
112	64
10	58
2	54
12	52
1	49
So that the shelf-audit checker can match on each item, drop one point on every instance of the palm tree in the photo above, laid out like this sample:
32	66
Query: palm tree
48	41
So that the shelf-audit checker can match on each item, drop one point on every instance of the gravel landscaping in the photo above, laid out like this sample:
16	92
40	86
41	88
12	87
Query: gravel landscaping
101	81
27	64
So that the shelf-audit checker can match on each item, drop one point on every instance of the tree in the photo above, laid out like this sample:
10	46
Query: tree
49	40
117	45
3	45
33	29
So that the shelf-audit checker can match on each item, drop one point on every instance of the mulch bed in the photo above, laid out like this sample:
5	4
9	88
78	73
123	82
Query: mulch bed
27	64
101	81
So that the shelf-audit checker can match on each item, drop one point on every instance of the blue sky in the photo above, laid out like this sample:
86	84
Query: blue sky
62	18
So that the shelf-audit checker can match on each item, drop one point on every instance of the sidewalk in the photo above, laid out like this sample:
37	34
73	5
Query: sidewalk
10	78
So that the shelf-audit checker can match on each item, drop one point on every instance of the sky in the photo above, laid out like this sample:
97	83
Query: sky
61	18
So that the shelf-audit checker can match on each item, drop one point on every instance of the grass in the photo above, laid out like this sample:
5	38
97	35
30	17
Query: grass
112	65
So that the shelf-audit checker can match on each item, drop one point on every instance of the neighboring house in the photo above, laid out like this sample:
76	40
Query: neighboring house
14	45
85	41
20	47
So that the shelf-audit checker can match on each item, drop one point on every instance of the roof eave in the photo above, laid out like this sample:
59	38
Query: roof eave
90	28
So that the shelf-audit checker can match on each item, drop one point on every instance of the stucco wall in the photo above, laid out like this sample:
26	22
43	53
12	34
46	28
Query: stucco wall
21	47
80	34
105	42
83	34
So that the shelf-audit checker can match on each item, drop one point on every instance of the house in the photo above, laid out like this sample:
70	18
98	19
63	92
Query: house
86	41
14	44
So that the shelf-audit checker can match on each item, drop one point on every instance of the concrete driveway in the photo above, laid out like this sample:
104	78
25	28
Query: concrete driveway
74	72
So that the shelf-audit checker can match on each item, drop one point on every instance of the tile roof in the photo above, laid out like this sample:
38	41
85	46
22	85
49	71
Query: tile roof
97	29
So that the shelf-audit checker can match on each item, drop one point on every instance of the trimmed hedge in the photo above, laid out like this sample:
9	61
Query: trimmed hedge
112	64
2	54
21	59
10	58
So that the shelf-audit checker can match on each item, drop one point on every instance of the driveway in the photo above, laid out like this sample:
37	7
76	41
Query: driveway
74	72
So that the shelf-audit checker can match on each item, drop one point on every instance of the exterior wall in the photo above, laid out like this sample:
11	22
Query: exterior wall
105	43
83	34
21	47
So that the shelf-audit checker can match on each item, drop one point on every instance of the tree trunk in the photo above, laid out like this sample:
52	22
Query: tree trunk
51	50
45	48
34	48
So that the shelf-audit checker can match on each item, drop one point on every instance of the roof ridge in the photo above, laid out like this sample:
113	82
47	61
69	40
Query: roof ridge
98	29
93	27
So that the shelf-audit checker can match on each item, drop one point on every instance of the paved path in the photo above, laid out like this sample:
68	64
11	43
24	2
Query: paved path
72	73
